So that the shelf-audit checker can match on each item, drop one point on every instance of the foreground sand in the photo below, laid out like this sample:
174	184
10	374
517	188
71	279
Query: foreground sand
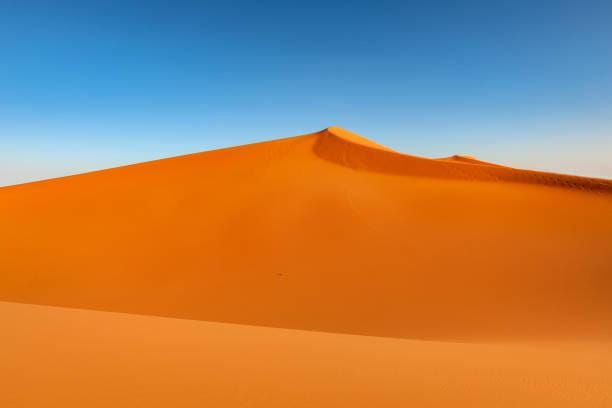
55	357
478	285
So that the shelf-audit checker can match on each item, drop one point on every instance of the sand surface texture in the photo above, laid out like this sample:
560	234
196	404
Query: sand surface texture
435	282
55	357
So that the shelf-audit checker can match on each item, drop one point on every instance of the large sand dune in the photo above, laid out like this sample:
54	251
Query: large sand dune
325	232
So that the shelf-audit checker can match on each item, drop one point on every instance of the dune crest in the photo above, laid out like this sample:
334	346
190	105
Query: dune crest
467	159
351	137
337	146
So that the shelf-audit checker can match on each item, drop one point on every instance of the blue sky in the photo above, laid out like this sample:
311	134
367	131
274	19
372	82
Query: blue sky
87	85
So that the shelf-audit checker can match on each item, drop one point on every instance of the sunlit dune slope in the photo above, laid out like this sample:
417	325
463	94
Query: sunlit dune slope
326	231
55	357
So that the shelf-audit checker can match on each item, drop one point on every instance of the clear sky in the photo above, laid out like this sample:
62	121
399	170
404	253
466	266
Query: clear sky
92	84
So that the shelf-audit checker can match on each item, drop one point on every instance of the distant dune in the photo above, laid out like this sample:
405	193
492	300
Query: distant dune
330	232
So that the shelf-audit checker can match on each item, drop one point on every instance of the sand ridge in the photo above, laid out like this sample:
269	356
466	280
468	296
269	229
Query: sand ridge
337	146
467	159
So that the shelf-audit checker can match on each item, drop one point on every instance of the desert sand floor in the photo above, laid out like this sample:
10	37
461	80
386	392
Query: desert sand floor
437	282
56	357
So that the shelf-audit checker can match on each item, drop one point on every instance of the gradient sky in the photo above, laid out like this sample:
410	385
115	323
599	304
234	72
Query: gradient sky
92	84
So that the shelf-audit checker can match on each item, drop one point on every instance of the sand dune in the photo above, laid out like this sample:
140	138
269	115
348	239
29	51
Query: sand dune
467	159
328	232
54	357
476	285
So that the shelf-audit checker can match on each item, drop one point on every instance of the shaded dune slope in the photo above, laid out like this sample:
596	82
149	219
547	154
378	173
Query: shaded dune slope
334	144
326	231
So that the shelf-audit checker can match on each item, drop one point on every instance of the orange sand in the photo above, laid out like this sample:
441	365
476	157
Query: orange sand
324	232
54	357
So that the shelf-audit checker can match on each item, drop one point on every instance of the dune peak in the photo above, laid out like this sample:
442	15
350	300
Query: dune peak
352	137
